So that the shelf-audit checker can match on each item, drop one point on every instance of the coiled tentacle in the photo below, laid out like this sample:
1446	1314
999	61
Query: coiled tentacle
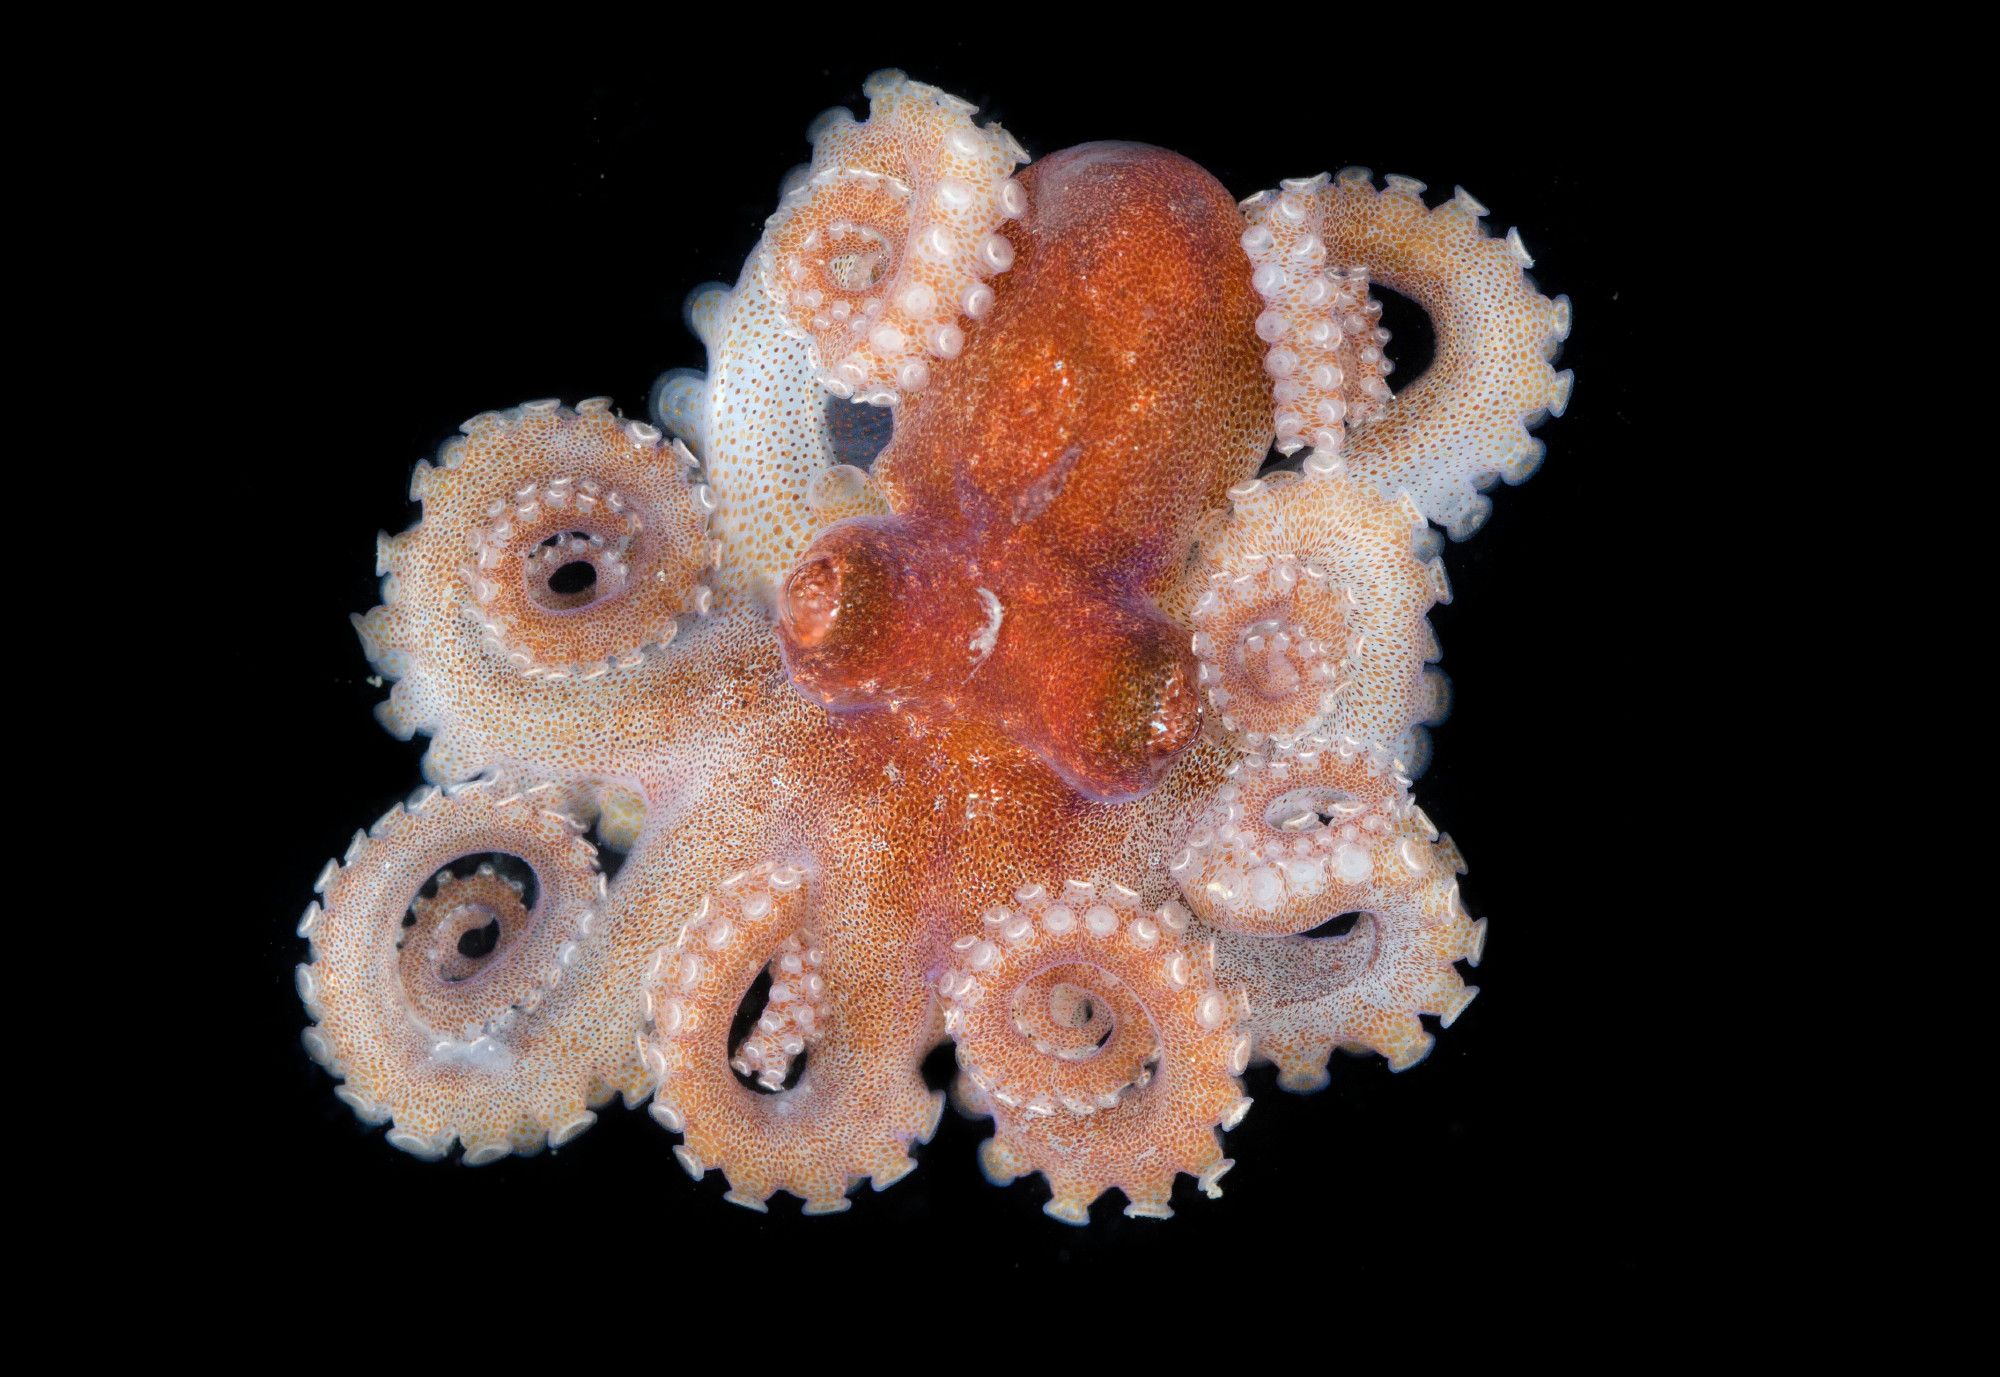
855	1107
1091	1030
1297	836
885	242
878	254
556	548
1296	839
1314	245
1323	330
451	1004
1361	990
1308	609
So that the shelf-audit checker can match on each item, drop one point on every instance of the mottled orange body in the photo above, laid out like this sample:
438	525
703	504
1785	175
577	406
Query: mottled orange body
1048	482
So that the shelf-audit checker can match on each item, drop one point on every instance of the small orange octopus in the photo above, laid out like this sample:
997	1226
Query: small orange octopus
945	669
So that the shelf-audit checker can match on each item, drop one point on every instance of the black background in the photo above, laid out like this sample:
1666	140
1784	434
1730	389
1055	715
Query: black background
428	243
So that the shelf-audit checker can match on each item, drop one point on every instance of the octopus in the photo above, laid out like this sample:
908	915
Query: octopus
952	660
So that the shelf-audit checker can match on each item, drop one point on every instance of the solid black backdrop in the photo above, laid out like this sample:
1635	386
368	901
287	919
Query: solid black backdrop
429	244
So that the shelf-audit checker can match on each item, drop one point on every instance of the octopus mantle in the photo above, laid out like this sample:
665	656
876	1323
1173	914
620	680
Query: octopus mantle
942	668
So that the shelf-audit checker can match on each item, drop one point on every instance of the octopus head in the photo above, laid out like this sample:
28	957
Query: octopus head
884	612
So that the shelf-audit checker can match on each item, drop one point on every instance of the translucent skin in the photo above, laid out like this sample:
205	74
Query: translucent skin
1049	482
1054	734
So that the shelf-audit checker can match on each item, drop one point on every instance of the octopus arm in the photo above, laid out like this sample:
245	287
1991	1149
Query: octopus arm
455	1002
885	241
1361	991
1308	610
1292	841
824	1088
1092	1031
1315	246
878	250
775	448
538	602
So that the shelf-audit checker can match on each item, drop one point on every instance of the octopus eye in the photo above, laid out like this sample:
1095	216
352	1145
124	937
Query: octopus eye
844	609
1113	735
811	606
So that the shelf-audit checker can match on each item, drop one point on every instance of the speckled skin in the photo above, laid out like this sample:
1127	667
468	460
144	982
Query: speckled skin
1309	609
938	748
1463	425
1050	483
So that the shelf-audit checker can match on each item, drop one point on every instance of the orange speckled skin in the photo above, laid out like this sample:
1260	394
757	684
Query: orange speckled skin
1049	480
